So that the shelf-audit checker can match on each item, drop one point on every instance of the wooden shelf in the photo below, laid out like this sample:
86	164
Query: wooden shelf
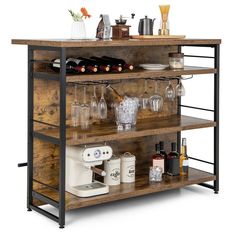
137	74
188	70
139	188
147	127
113	43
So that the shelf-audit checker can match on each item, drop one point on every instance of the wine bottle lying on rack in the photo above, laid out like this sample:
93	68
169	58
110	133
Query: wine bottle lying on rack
101	67
89	66
113	65
72	65
121	62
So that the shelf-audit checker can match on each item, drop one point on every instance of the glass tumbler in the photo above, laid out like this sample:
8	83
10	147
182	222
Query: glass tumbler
84	113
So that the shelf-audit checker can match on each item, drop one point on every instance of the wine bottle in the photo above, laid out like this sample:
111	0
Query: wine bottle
88	66
158	158
173	161
71	66
121	62
115	94
101	67
184	158
163	152
114	66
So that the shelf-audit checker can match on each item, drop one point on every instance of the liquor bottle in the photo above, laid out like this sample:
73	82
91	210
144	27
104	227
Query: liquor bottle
115	94
184	158
158	158
120	61
163	152
173	161
101	67
88	66
113	65
71	66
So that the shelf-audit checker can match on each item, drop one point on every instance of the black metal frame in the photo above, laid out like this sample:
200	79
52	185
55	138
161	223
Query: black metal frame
61	141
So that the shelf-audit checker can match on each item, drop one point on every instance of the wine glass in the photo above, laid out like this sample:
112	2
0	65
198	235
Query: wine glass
144	98
156	101
94	105
75	109
84	112
180	90
102	106
170	92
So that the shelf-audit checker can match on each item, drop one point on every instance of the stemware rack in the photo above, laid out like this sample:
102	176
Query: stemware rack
49	128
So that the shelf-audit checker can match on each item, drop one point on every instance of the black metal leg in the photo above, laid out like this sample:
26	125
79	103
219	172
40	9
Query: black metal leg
216	116
30	129
62	137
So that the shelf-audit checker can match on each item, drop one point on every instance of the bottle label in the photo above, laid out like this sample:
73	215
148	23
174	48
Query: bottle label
185	163
159	163
56	63
77	61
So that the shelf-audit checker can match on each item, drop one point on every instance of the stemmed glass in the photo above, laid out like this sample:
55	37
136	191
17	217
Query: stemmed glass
180	90
94	105
156	101
84	112
102	106
170	92
144	98
75	109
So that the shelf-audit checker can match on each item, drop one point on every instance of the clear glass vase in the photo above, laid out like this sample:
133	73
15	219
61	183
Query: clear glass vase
78	30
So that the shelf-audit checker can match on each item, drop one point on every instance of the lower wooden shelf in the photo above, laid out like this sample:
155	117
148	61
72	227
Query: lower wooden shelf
139	188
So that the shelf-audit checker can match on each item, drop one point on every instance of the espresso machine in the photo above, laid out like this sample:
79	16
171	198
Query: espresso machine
80	169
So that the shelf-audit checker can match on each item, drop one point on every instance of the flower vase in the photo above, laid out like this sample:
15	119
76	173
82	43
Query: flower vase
78	30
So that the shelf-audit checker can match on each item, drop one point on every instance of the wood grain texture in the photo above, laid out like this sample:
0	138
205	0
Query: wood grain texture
139	188
109	43
145	127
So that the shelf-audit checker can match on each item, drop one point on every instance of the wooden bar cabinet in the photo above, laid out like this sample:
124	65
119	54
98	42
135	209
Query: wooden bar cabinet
49	125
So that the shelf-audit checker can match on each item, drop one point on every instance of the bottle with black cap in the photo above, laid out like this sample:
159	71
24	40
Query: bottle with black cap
158	159
163	153
173	161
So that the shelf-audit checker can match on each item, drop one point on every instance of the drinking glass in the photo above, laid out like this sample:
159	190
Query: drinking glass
75	109
180	90
156	101
144	98
84	113
94	105
102	106
170	92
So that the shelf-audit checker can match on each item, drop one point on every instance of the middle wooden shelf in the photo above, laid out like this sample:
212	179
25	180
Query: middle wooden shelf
108	131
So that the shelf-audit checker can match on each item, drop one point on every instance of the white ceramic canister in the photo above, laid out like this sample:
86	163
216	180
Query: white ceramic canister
112	168
127	168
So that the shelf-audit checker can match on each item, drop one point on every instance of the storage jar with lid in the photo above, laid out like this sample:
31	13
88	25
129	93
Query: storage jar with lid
176	60
112	168
127	168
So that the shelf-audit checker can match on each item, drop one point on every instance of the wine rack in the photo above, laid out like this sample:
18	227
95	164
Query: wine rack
49	131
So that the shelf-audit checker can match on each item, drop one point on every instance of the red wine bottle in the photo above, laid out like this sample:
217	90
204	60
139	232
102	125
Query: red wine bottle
113	65
173	161
101	67
71	66
121	62
89	67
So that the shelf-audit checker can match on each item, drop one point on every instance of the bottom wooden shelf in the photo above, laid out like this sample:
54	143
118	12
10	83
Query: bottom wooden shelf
139	188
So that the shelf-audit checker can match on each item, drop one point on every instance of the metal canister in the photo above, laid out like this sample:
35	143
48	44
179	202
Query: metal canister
127	168
112	168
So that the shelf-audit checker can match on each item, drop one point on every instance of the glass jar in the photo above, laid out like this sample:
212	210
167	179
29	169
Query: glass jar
176	60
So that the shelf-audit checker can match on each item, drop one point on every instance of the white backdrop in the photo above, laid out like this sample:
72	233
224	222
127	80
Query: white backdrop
193	210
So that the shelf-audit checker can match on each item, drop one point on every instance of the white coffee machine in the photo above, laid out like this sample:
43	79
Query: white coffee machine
80	169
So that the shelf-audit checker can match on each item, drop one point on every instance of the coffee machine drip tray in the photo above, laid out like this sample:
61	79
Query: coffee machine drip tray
88	190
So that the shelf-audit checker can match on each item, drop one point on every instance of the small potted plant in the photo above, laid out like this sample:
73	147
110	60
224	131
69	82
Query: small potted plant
78	30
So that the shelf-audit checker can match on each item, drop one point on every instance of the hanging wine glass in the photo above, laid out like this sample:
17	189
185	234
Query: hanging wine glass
94	105
156	101
84	112
102	106
180	90
170	92
75	109
144	98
